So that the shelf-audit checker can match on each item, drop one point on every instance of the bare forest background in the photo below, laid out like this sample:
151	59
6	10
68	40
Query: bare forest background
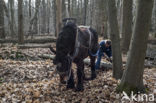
40	16
28	34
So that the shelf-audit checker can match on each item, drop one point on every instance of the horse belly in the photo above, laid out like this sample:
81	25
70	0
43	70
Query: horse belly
83	53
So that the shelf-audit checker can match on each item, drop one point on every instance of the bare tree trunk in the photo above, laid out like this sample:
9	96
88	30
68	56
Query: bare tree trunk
54	17
29	9
85	11
126	25
69	8
43	18
33	21
6	13
20	21
48	16
58	15
63	9
12	25
2	30
114	34
154	18
105	26
132	79
72	8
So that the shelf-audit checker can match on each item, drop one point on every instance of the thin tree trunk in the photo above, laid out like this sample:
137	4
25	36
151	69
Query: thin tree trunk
29	9
91	13
30	14
114	34
43	18
2	30
58	16
85	11
126	25
20	21
34	18
72	8
48	16
154	17
63	9
54	17
132	79
69	8
12	25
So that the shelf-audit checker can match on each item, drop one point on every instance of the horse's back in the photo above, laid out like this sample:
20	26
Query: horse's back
88	38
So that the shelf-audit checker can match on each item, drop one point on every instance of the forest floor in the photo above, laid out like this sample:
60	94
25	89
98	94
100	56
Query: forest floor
26	78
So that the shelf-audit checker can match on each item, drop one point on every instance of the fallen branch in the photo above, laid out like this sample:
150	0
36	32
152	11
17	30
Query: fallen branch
46	56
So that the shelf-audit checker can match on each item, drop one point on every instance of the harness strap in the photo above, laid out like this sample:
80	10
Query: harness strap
77	46
90	37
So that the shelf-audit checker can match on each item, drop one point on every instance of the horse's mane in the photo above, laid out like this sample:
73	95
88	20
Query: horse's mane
66	40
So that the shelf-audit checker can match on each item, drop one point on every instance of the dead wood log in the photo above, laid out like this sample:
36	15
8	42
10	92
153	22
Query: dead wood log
33	46
152	41
86	61
44	40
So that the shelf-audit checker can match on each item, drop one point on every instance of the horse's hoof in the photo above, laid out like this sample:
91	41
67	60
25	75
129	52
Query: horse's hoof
63	82
93	76
79	88
70	86
86	79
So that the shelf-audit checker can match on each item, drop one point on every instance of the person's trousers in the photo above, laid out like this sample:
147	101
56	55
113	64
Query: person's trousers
99	55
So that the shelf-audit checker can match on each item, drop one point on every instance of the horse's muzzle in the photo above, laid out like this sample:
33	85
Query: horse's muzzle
62	73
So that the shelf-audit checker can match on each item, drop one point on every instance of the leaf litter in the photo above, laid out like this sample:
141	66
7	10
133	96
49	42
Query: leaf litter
35	81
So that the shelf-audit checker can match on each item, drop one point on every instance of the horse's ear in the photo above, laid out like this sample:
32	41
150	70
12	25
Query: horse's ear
52	50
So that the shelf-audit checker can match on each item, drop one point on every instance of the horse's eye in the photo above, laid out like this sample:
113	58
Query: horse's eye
59	65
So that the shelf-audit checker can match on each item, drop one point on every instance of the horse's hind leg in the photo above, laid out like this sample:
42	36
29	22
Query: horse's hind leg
80	74
93	73
70	82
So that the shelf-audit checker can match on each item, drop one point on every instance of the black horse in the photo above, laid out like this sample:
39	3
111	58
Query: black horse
74	44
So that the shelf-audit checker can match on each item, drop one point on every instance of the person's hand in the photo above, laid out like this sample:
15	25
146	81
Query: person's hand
109	59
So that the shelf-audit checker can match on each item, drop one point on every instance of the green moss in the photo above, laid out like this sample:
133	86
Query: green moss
13	52
126	87
19	55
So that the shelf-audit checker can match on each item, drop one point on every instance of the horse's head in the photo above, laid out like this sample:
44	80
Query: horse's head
62	65
64	46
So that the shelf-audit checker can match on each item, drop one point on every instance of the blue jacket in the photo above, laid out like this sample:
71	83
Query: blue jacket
104	49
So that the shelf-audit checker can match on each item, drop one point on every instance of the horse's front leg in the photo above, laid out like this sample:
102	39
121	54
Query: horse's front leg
70	81
62	79
80	74
93	73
